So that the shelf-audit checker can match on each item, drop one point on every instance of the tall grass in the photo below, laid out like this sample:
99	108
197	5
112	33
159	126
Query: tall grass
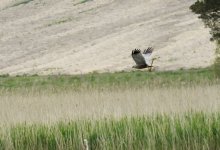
48	99
136	110
194	131
97	104
125	110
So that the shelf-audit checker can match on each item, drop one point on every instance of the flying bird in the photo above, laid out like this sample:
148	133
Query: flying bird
143	60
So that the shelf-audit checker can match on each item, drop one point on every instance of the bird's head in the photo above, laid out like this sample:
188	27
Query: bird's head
155	58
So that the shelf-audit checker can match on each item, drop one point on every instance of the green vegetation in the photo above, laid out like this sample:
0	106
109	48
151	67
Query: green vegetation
204	6
84	1
110	80
81	2
194	131
21	2
64	20
177	129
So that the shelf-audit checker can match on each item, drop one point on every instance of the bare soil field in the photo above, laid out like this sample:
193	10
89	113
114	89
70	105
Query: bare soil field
75	36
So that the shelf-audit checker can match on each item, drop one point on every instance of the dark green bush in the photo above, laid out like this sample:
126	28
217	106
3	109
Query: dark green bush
202	7
209	11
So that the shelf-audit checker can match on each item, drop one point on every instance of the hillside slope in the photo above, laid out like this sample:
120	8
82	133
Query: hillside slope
75	36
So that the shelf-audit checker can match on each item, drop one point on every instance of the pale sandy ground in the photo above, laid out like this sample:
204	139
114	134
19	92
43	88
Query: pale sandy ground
50	108
64	36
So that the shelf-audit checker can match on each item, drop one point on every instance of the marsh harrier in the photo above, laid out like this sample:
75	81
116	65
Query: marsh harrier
143	60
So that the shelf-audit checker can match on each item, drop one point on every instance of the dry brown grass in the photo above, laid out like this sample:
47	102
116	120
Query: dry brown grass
68	105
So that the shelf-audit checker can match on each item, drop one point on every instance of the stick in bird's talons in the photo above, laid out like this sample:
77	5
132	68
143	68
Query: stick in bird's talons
151	66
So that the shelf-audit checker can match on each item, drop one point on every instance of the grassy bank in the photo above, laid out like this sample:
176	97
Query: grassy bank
109	80
194	131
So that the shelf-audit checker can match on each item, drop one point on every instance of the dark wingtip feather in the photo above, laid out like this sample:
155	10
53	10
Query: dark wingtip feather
148	50
136	51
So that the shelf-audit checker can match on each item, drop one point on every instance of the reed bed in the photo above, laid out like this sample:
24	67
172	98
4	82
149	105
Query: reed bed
48	107
136	110
191	130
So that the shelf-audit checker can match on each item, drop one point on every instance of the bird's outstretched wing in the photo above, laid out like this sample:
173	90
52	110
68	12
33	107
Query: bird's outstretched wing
147	55
138	57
